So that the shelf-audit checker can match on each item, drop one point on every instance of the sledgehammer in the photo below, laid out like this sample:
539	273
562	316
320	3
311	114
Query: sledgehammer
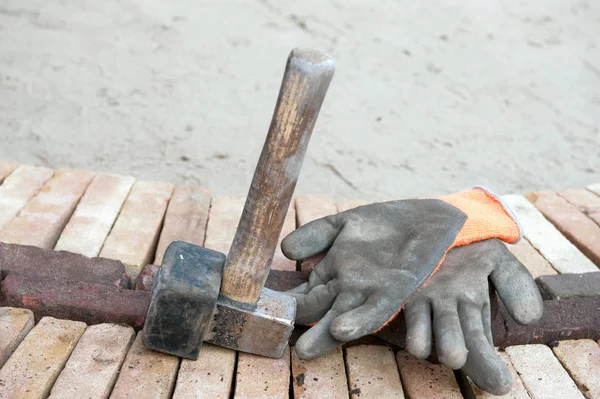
203	295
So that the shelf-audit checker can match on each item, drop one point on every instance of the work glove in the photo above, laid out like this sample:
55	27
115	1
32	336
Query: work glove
454	308
378	255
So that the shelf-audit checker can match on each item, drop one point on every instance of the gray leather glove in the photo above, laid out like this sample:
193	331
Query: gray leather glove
454	308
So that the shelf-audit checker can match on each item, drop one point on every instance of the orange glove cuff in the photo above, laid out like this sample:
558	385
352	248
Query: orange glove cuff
487	217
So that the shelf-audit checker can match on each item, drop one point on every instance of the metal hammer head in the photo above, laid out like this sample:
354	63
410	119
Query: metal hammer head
186	309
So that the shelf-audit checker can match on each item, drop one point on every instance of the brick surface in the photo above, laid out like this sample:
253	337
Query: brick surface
324	377
92	369
211	376
259	377
594	188
34	366
517	391
541	373
581	359
145	280
372	372
562	255
309	208
564	286
146	374
223	220
345	205
186	218
571	222
531	258
280	262
134	236
18	189
95	215
41	221
586	201
15	324
425	380
6	168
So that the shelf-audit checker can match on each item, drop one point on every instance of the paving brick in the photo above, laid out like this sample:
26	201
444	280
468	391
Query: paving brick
309	208
581	359
34	366
324	377
41	221
571	222
426	380
223	220
517	391
146	373
259	377
280	262
92	369
6	168
18	188
89	302
345	205
562	255
95	215
15	324
541	373
186	218
372	372
569	285
594	188
145	280
211	376
134	236
531	258
586	201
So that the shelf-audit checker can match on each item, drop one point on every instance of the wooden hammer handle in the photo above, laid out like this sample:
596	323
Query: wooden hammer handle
307	76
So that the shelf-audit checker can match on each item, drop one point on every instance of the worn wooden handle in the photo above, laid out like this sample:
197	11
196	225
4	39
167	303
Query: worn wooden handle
307	76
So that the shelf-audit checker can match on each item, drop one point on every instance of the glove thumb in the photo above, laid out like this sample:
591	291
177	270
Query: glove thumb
312	238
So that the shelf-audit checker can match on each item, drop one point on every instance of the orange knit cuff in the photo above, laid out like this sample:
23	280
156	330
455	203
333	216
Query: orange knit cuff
487	217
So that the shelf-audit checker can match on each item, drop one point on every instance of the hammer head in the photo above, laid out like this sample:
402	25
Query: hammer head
186	309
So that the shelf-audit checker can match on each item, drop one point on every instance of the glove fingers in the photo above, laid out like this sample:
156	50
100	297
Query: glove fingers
312	238
365	319
486	317
314	305
517	289
318	340
321	274
483	364
450	343
418	328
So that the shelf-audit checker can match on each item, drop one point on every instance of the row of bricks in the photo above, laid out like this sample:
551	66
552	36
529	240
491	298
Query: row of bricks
67	359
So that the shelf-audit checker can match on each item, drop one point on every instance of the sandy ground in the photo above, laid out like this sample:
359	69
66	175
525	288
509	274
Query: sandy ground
429	97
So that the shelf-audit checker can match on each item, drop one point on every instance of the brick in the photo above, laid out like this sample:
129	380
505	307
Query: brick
262	377
134	236
15	324
562	255
581	359
280	261
34	366
60	267
309	208
186	218
92	369
88	302
586	201
6	168
225	214
211	376
145	280
531	258
564	286
41	221
323	377
18	188
541	372
571	222
95	215
146	374
426	380
594	188
345	205
517	391
372	372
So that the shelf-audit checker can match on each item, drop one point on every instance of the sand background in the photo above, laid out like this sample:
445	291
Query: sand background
429	97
